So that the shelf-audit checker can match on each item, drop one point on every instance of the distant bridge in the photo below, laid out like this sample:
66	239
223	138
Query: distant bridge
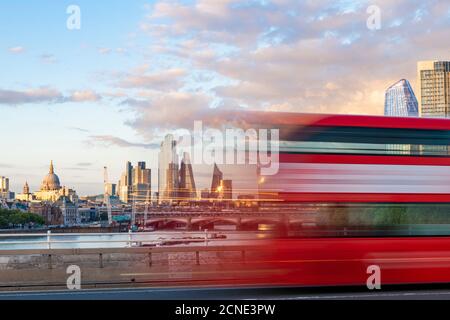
240	221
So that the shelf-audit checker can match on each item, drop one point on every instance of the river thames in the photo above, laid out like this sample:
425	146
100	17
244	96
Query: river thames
120	240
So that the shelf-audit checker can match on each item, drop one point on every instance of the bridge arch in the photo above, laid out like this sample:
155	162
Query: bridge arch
205	223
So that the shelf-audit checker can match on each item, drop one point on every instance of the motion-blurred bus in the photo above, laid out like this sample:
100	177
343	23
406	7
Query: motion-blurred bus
377	190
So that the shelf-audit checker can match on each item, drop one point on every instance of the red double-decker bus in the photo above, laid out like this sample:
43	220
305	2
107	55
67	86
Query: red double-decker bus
364	159
380	190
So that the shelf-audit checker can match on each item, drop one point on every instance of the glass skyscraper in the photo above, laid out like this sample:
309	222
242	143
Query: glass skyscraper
216	178
187	188
168	176
400	100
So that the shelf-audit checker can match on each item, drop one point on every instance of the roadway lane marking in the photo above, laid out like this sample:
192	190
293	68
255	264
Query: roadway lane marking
90	291
373	295
147	291
122	290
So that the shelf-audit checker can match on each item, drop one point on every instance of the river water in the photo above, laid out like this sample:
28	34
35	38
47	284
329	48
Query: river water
120	240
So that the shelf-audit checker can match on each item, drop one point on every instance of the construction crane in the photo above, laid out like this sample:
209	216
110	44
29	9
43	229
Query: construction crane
147	200
107	196
133	210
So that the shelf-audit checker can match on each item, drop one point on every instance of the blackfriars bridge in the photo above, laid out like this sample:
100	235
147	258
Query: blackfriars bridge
241	221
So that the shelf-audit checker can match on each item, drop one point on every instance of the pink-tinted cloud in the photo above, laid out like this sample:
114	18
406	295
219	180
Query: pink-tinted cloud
162	80
45	95
279	55
17	50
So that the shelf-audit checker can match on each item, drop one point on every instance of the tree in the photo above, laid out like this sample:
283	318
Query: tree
16	217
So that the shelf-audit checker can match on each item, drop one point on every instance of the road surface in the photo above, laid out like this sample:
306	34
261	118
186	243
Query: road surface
227	293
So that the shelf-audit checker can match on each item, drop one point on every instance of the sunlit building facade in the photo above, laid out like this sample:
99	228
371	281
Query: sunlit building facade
215	183
69	211
4	184
4	189
142	183
110	189
187	190
135	183
433	87
168	175
226	190
26	195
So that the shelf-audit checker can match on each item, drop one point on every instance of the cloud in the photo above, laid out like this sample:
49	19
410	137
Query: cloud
171	110
16	50
48	58
84	164
79	129
303	56
39	95
45	95
81	166
121	50
104	50
162	113
108	140
162	80
76	169
84	96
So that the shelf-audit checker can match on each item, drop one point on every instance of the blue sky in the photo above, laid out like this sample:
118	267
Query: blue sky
38	132
139	69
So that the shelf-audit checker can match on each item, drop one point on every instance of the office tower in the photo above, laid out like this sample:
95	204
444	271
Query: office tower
226	190
187	188
215	184
168	170
135	183
125	184
128	172
110	189
122	191
172	182
433	87
4	184
4	189
142	182
141	174
400	100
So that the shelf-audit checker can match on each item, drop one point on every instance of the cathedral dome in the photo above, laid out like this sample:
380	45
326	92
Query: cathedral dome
51	180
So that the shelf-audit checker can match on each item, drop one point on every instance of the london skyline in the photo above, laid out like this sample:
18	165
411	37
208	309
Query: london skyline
106	94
